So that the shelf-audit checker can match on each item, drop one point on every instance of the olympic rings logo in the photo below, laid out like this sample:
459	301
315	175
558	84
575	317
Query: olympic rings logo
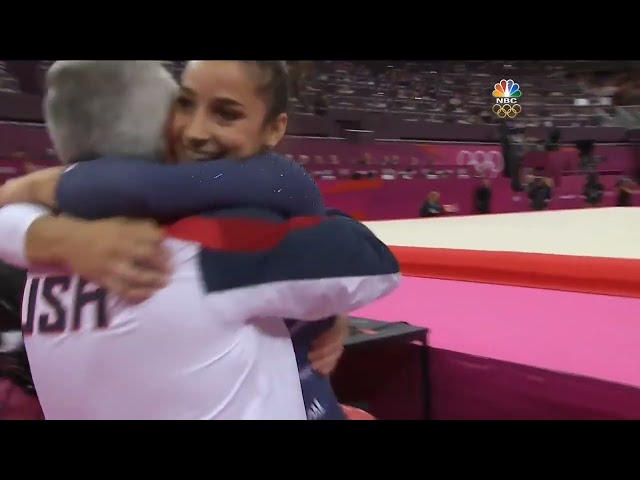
507	110
482	161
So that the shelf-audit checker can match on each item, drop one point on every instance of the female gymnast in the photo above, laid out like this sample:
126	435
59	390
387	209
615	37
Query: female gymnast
234	110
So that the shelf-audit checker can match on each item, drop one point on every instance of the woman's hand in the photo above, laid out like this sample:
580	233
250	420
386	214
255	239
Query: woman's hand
125	256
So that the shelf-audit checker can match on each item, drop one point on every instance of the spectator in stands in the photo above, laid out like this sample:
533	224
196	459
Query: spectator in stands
366	159
50	156
19	154
593	190
432	207
485	117
553	140
30	167
482	197
321	105
296	79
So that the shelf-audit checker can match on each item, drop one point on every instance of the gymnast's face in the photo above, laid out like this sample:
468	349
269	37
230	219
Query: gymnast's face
219	113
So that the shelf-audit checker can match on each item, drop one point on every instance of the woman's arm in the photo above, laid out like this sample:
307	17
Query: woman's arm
123	255
116	186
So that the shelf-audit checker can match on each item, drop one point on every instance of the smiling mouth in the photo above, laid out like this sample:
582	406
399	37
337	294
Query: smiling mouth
203	156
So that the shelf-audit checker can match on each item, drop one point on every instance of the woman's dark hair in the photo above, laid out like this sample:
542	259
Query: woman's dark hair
274	86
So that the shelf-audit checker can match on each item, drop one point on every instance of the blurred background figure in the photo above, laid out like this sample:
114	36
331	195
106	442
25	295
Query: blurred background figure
593	190
482	197
432	206
625	188
539	193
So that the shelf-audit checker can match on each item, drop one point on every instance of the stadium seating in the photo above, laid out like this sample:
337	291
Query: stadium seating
405	120
561	93
8	82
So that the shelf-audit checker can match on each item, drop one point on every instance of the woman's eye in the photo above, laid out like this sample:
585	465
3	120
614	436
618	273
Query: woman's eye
229	115
184	102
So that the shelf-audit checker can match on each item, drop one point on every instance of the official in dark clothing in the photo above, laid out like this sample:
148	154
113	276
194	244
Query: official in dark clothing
593	190
432	207
483	197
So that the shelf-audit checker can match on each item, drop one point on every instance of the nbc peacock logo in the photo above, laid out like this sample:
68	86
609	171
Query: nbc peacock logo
507	93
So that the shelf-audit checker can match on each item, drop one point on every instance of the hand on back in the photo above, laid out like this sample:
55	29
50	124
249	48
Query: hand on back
125	256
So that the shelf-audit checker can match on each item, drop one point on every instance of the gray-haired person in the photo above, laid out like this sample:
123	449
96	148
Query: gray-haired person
189	351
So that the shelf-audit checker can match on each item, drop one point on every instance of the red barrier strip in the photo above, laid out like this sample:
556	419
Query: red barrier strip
598	275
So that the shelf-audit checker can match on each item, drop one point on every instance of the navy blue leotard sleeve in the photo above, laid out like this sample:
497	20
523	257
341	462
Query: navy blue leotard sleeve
110	187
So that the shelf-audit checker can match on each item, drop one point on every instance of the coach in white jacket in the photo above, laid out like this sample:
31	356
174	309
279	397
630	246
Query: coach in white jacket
201	348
